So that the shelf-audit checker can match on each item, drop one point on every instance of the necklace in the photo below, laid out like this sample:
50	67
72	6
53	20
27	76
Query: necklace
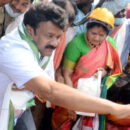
90	44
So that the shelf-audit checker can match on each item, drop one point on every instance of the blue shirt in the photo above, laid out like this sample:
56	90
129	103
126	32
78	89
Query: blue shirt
80	15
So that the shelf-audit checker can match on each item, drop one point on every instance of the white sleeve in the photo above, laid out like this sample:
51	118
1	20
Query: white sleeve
19	64
71	32
50	67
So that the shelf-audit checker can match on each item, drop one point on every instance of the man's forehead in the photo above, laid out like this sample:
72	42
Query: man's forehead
49	25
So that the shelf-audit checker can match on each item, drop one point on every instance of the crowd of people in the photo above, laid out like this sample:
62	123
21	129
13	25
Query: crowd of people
64	65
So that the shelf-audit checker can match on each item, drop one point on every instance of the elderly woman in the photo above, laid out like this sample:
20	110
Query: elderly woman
87	53
92	50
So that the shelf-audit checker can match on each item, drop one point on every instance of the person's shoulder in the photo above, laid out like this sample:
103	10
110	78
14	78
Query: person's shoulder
78	36
77	41
14	50
12	40
11	45
13	25
79	16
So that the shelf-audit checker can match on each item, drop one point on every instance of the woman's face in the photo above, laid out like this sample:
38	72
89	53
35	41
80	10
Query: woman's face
96	35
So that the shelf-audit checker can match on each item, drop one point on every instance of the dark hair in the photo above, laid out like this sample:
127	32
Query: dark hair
93	24
69	6
124	94
74	6
119	94
43	12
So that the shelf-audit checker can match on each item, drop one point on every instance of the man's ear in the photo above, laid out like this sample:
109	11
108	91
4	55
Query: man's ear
30	30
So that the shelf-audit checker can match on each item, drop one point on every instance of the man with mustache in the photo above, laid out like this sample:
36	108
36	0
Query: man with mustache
10	11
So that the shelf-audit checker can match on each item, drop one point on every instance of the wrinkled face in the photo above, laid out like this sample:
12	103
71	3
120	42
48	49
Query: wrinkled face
20	6
96	35
46	37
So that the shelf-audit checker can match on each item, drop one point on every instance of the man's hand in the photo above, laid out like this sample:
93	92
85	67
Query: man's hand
122	111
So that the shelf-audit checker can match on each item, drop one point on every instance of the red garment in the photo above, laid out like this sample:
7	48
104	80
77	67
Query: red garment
59	51
115	31
105	56
128	13
112	126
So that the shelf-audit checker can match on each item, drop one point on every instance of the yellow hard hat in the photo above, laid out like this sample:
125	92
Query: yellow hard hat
103	15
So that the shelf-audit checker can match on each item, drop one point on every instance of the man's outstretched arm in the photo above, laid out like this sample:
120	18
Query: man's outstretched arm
65	96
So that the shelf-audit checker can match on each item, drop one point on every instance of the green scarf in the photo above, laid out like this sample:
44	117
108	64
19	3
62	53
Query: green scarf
28	38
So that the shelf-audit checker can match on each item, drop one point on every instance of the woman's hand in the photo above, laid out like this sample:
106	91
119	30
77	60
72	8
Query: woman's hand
104	72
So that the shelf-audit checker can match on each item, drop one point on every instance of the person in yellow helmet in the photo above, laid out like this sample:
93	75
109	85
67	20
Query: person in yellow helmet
86	54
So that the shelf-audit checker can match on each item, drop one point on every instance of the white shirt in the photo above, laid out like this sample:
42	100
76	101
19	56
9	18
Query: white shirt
17	62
